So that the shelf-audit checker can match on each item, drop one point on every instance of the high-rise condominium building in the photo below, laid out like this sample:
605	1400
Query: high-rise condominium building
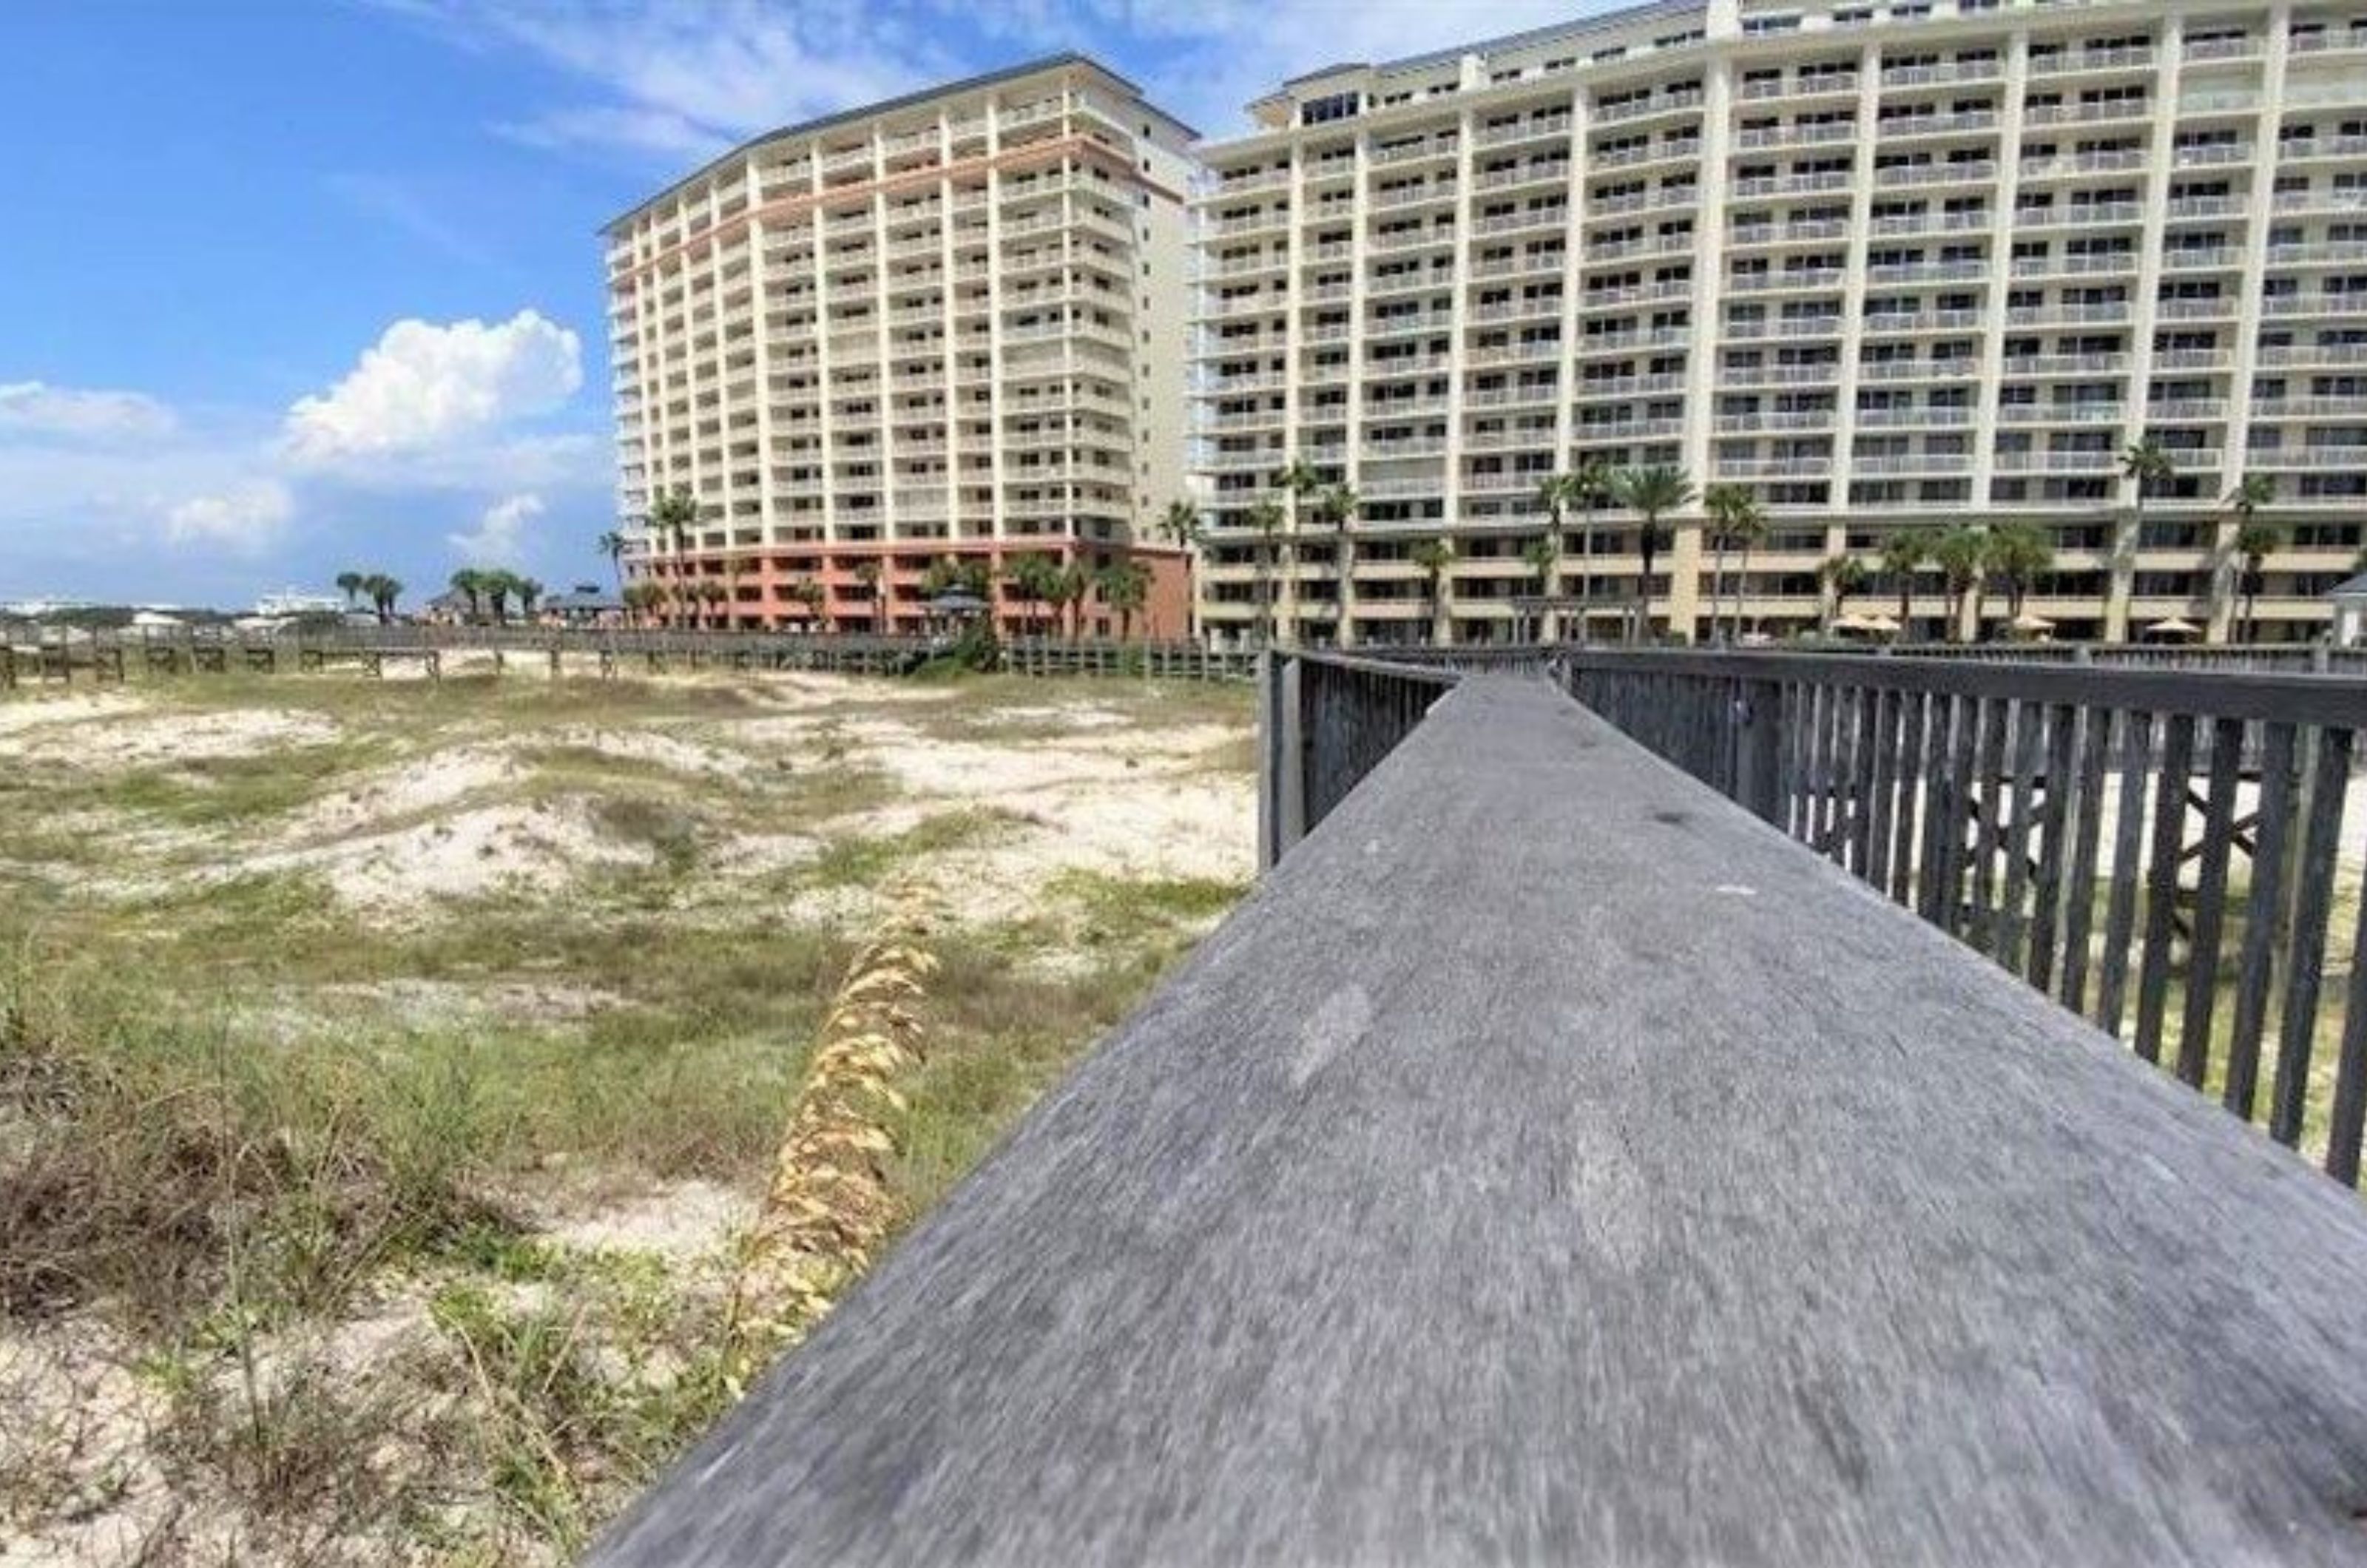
1890	264
949	327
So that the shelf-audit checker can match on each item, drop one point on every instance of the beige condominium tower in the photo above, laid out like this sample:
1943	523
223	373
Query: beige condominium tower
1892	268
947	328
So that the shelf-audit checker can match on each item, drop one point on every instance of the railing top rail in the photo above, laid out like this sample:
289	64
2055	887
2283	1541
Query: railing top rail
1437	673
2335	699
1542	1125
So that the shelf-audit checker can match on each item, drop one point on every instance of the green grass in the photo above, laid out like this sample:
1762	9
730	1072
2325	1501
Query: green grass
221	1135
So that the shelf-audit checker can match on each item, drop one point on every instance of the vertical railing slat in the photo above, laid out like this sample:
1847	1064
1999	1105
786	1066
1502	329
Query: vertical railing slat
2021	804
2211	892
2263	911
2119	911
2059	790
2162	881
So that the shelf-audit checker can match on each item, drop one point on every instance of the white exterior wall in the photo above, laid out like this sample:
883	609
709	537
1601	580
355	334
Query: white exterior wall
922	324
1886	271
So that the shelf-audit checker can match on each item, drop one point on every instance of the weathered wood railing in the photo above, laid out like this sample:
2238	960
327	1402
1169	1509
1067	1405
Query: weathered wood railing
1550	1162
2160	850
115	655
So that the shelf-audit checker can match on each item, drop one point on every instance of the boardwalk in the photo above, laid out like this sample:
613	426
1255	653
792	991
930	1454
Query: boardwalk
1554	1163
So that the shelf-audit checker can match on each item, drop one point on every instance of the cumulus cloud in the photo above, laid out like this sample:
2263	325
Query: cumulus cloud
245	518
36	409
422	385
499	538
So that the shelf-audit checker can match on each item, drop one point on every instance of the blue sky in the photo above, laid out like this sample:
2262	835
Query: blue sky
299	285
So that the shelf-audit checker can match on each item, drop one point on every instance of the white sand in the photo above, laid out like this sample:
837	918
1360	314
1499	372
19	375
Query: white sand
464	854
150	739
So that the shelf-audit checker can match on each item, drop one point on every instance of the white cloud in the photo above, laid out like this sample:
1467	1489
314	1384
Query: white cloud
423	385
683	79
35	407
245	518
500	535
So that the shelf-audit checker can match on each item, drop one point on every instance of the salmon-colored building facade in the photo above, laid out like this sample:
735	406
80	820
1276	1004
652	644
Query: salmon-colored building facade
765	591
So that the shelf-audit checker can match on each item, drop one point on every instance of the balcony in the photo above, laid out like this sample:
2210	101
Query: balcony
2092	62
1525	130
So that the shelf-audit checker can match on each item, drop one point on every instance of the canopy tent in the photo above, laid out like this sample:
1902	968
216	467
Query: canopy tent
2171	626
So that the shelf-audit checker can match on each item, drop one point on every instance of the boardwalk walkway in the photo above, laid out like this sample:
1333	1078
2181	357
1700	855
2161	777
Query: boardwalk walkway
1551	1162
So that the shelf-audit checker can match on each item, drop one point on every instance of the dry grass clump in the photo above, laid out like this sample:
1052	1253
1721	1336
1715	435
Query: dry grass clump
830	1206
157	1167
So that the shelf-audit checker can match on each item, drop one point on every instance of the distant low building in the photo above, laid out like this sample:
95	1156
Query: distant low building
41	608
296	602
583	605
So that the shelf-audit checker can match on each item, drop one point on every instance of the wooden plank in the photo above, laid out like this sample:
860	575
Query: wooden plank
1937	810
2060	790
2263	910
2210	900
2161	880
1864	702
1991	801
2314	873
2078	898
1957	840
2026	745
1883	784
2134	752
2347	1118
1907	811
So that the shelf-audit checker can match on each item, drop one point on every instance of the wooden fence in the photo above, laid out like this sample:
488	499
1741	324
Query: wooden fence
106	657
2158	850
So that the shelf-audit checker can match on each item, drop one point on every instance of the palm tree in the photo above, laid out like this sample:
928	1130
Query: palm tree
1299	480
1555	491
1734	518
1125	588
813	596
383	592
1902	553
1962	555
713	594
1843	575
2253	540
2147	464
497	587
640	599
1433	557
470	583
1266	517
1541	552
866	572
1651	493
350	583
1179	525
2019	554
529	591
1592	487
1335	508
672	517
1035	581
612	544
1070	585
